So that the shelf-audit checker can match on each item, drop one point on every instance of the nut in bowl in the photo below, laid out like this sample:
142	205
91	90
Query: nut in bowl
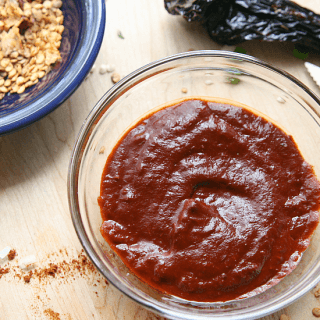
211	75
47	48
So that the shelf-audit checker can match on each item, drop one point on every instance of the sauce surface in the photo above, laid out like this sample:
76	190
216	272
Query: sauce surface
208	201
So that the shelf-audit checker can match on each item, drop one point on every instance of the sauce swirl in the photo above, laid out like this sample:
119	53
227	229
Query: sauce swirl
208	201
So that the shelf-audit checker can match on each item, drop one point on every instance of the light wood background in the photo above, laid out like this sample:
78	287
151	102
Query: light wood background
34	214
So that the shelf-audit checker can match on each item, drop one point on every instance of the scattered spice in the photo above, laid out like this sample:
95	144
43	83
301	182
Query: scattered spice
120	35
30	38
52	270
12	254
27	277
51	314
316	312
4	271
184	90
115	77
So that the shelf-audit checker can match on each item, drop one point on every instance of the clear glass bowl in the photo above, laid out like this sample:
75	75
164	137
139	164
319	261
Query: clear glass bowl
203	73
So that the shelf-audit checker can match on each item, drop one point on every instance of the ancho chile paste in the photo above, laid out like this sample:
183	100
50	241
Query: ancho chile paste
208	201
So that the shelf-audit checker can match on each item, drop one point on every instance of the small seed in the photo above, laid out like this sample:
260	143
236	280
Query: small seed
40	58
115	77
1	82
208	82
3	89
281	100
9	68
47	4
21	89
7	83
4	62
12	73
14	55
60	29
14	78
28	84
110	67
14	89
34	77
38	6
20	80
57	4
103	69
102	149
184	90
41	74
316	312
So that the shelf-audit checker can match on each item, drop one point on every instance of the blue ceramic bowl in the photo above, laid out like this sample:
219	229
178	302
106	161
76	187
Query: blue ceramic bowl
84	22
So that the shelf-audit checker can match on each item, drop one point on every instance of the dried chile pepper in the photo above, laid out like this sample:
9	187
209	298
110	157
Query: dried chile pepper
234	21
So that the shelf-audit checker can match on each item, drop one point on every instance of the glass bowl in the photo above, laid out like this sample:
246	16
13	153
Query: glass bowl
219	74
84	22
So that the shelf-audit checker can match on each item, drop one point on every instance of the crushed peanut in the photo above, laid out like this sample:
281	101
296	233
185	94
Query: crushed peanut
30	38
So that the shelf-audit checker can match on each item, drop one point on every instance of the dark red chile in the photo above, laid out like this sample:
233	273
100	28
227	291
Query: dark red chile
208	201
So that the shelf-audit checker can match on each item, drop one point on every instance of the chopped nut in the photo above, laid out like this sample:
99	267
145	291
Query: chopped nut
102	149
317	293
316	312
115	77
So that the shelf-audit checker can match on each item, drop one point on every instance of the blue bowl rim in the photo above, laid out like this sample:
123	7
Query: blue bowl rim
85	56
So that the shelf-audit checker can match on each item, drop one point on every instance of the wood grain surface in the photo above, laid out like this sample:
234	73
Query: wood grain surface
34	213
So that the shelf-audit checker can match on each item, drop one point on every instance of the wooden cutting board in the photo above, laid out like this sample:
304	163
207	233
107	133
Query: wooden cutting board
34	214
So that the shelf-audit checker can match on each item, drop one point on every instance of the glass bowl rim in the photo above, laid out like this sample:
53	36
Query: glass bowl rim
102	106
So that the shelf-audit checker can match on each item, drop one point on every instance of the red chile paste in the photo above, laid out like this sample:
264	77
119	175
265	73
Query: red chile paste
208	201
